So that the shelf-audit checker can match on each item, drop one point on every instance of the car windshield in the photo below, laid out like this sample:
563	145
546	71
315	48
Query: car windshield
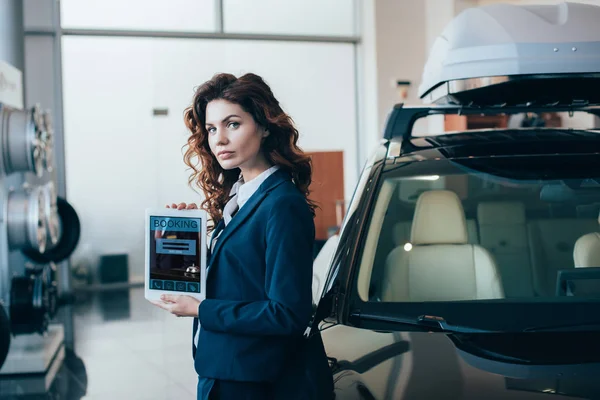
474	229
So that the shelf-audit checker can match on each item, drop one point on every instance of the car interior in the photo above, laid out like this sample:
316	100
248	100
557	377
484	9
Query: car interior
465	237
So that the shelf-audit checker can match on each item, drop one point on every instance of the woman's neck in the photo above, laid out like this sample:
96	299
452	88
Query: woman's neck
255	170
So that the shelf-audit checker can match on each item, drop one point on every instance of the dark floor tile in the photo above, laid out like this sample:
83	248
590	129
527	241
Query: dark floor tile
125	348
69	383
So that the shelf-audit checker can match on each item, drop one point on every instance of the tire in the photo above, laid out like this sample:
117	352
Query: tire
4	335
69	238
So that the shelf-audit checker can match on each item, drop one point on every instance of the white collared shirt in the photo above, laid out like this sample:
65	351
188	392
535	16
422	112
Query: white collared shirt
241	192
247	189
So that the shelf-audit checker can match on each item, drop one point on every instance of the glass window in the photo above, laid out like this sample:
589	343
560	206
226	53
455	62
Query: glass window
484	229
151	15
111	160
290	17
116	148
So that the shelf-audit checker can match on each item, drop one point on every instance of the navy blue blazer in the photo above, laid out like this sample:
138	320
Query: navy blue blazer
258	287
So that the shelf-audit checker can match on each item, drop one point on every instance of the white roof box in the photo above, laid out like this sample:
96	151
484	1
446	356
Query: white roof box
502	54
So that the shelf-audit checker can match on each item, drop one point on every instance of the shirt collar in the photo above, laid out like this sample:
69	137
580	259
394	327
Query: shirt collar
246	189
242	191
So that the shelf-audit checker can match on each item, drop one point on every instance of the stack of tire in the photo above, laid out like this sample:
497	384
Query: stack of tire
40	224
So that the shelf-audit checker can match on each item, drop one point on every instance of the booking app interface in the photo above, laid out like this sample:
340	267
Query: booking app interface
175	253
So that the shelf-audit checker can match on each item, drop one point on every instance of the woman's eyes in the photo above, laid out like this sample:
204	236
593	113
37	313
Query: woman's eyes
233	125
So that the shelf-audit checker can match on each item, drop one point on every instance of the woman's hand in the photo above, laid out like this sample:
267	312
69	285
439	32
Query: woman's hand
180	305
183	206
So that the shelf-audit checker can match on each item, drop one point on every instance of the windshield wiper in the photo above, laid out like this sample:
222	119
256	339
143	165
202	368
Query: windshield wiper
592	326
429	323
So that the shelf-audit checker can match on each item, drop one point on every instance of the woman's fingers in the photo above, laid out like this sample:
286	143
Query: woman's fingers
183	206
179	305
167	306
169	298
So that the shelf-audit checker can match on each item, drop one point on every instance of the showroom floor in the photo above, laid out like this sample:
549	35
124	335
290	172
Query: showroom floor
125	348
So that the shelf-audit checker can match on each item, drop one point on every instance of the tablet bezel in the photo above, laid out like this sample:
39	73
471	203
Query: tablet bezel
154	294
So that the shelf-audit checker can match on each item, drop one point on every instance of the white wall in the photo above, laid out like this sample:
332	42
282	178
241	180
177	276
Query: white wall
401	51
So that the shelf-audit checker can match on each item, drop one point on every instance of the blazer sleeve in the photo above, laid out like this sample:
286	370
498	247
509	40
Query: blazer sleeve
290	236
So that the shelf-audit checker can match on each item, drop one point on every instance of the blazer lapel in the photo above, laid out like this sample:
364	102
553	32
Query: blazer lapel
214	234
271	183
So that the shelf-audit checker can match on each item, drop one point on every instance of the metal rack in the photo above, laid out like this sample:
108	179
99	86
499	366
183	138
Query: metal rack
402	118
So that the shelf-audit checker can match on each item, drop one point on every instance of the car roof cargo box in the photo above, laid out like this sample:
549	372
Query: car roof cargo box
508	54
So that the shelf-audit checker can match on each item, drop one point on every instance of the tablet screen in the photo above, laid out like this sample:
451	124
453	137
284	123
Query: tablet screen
175	253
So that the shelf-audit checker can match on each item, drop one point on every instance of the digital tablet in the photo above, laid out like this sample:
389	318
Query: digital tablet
175	253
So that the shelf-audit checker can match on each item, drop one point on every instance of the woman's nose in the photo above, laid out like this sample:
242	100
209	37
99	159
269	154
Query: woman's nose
221	137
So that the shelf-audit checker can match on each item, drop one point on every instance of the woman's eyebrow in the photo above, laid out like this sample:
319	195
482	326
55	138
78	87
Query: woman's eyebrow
226	118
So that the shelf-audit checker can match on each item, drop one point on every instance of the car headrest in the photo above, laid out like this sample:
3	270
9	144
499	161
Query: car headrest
439	219
501	213
586	252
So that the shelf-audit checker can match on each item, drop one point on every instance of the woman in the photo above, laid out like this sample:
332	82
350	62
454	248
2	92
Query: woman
248	333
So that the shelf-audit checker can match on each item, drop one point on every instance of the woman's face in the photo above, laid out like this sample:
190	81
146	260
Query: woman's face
233	136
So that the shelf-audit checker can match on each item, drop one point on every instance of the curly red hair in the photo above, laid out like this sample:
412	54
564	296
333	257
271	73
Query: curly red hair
280	148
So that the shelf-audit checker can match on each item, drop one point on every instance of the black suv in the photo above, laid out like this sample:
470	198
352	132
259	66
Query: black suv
468	263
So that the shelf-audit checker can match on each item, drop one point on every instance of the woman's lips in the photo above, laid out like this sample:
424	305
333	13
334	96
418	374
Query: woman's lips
225	154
